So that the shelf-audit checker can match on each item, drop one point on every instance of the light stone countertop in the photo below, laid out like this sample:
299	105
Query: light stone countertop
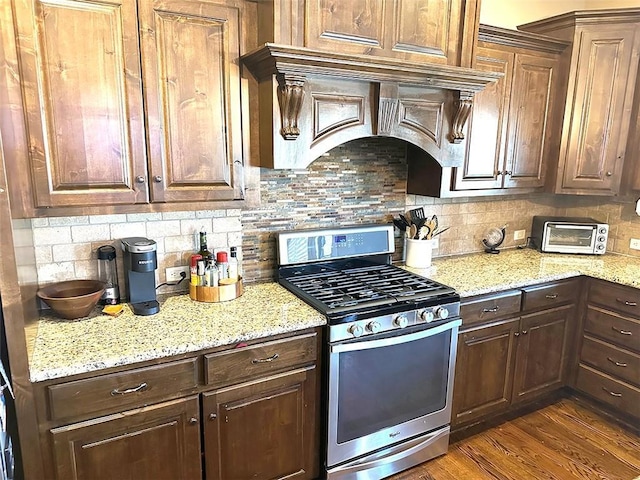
69	347
64	347
481	273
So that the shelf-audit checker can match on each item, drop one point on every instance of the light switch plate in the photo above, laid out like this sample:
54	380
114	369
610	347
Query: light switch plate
519	234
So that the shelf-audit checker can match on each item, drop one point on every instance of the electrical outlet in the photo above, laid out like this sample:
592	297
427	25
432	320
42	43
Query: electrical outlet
173	273
519	234
634	244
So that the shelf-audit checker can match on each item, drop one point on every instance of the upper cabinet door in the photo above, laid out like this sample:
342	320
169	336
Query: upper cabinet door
83	100
430	31
599	100
192	88
487	127
529	117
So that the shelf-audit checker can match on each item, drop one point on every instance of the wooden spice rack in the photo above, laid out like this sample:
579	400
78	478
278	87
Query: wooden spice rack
222	293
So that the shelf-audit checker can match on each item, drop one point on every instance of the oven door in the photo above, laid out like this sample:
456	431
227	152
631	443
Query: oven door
389	387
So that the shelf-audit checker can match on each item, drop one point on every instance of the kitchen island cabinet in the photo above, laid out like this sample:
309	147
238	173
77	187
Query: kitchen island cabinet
121	109
508	354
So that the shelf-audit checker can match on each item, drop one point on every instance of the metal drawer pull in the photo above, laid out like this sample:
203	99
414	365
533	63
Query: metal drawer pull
627	302
617	364
139	388
265	360
622	332
613	394
491	310
552	296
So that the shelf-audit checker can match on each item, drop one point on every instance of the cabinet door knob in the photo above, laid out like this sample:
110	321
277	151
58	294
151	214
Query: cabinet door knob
193	420
508	172
212	416
499	172
517	334
157	179
609	174
140	179
524	332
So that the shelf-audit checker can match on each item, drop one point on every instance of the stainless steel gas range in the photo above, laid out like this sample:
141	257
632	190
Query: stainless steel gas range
391	349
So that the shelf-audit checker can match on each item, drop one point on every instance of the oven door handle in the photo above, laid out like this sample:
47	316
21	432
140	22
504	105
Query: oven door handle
397	340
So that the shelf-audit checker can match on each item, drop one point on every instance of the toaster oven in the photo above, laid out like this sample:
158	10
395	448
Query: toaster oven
569	235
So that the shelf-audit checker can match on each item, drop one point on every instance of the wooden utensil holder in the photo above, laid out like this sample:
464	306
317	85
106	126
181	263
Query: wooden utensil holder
222	293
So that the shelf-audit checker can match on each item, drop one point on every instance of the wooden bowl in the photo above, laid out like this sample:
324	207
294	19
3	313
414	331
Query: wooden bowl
73	298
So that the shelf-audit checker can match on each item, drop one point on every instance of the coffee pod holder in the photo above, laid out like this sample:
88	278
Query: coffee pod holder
222	293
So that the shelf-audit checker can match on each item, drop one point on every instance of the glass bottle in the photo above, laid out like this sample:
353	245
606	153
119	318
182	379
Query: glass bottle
204	250
234	272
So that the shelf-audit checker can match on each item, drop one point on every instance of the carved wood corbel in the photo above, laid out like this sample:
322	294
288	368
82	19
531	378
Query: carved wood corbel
290	96
465	103
387	108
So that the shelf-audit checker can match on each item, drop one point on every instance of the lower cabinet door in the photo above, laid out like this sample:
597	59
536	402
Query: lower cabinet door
151	443
263	430
484	370
542	352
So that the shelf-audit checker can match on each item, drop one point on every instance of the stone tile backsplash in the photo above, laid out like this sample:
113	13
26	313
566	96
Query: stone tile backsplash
359	182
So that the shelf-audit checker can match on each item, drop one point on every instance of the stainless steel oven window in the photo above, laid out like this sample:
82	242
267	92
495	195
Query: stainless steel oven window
390	388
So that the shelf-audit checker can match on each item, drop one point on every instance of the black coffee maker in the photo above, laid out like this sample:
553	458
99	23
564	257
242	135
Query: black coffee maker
140	263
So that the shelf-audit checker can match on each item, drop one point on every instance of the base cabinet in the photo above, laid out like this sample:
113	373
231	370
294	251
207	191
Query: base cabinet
510	360
609	369
261	430
249	412
152	443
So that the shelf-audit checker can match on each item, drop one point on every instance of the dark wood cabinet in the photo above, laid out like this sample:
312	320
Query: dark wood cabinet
152	443
516	354
510	135
260	407
598	92
609	368
543	350
93	145
425	31
263	429
484	370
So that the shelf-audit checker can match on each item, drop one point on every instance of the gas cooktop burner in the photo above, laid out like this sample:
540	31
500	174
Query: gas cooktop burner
360	287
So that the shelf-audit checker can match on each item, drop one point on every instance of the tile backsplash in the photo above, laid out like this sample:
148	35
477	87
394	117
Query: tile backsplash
359	182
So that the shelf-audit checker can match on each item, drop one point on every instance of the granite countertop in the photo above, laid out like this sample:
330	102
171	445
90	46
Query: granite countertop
64	347
481	273
69	347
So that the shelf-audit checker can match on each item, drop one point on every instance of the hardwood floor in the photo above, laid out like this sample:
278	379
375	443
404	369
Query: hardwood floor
563	441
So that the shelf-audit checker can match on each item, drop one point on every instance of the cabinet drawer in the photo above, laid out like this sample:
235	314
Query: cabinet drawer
610	359
620	395
122	390
238	365
612	327
490	307
617	297
547	296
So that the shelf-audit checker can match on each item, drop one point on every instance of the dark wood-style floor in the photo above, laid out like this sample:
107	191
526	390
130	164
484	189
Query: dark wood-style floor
563	441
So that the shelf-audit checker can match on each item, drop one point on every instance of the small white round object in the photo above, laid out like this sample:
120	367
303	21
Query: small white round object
374	327
442	313
427	316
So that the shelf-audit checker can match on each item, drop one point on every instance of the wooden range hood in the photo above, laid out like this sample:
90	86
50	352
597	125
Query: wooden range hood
312	101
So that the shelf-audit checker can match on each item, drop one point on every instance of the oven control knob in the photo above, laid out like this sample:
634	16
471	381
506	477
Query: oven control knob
442	312
599	247
356	330
374	327
401	321
427	316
